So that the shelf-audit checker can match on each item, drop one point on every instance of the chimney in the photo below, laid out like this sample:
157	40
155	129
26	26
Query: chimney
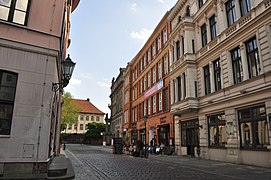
88	99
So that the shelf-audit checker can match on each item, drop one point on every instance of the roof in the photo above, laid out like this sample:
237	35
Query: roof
85	106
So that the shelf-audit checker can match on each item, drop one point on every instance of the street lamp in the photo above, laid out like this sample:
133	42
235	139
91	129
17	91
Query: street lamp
145	121
68	67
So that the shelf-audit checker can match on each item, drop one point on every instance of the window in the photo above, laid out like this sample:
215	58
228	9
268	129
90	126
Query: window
253	128
203	35
153	50
160	101
184	85
75	127
144	60
144	108
213	27
158	43
69	126
154	104
164	36
81	118
200	2
15	11
149	106
166	100
97	118
253	58
179	88
87	118
231	13
178	50
81	126
8	83
217	130
217	74
183	45
237	65
245	6
207	82
165	65
149	79
92	118
159	70
149	55
144	84
153	75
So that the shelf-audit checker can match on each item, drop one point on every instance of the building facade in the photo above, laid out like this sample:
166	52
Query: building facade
33	43
150	90
220	71
88	113
117	105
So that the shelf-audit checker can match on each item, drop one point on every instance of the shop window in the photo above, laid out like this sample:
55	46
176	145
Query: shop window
15	11
217	130
8	83
253	128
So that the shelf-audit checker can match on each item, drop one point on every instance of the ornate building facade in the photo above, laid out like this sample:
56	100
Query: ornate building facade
220	71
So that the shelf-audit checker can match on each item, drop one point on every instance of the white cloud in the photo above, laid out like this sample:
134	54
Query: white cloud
143	35
101	84
133	7
163	1
73	84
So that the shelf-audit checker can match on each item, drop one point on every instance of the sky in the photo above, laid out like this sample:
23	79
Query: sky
105	36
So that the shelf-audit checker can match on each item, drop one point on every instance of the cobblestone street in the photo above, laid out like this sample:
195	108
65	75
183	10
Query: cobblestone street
97	162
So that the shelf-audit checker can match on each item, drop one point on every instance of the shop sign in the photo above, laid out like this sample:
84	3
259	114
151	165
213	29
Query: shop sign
154	89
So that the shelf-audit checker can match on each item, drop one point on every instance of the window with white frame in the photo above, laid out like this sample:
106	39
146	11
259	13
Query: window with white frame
154	104
165	65
81	126
141	86
87	118
144	60
81	117
158	43
149	106
159	70
149	55
15	11
164	36
154	75
160	108
153	50
144	108
149	79
144	83
97	118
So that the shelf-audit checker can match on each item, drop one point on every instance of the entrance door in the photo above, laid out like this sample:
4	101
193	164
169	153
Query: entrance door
189	136
191	141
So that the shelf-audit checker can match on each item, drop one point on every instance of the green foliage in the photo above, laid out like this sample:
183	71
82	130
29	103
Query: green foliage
94	130
70	111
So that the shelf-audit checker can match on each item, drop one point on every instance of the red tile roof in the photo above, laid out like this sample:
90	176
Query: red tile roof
86	106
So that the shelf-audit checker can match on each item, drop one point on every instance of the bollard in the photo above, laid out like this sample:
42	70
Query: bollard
64	146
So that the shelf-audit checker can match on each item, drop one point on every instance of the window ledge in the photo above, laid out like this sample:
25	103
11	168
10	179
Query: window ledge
4	136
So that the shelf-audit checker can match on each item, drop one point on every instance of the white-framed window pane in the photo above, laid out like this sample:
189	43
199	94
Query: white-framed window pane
19	17
4	13
21	5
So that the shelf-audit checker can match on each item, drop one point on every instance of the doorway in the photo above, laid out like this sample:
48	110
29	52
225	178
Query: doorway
190	136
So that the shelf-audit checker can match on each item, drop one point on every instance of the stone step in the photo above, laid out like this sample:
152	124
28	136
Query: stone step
58	167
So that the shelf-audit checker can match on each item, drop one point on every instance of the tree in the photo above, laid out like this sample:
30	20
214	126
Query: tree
94	130
69	111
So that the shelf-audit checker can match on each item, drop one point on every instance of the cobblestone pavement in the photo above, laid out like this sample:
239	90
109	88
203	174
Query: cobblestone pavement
97	162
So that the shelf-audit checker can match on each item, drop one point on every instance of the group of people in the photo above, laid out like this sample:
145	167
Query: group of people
154	149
